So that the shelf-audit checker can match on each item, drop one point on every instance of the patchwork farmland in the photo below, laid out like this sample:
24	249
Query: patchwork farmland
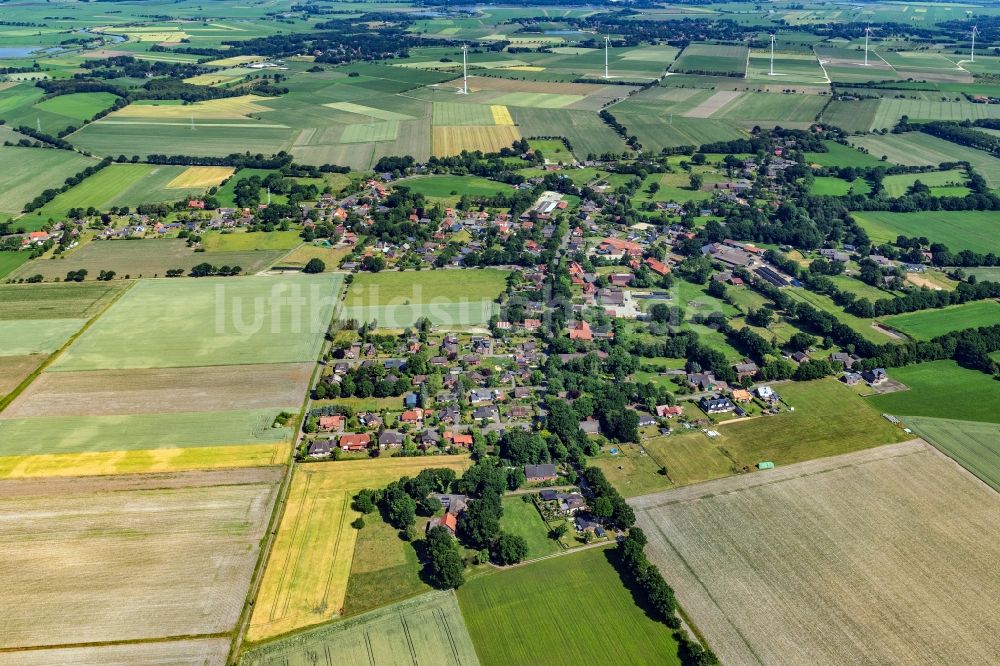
840	515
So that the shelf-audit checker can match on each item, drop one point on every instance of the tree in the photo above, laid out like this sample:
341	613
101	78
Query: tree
444	563
509	549
401	511
479	525
697	180
559	531
315	265
364	501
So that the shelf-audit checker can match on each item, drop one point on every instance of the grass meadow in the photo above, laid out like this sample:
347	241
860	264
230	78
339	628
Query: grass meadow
810	544
839	155
942	389
919	149
950	183
563	610
428	629
959	230
927	324
704	58
19	337
522	518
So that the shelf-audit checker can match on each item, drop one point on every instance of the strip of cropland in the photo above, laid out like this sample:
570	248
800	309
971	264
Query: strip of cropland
883	555
427	630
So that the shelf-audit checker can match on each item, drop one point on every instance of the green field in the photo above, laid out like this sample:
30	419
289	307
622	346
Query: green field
974	445
385	569
829	419
838	187
56	301
523	519
927	324
36	336
241	241
145	258
949	183
209	321
11	261
451	188
890	110
78	106
826	304
38	169
942	389
121	185
840	155
754	108
959	230
135	432
919	149
425	630
566	610
587	133
711	59
448	297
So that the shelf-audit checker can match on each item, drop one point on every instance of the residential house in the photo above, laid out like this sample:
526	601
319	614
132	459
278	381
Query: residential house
745	369
847	359
320	448
449	521
701	381
412	416
390	439
452	503
355	441
331	423
800	357
716	405
489	412
539	473
580	330
851	378
875	376
669	411
742	395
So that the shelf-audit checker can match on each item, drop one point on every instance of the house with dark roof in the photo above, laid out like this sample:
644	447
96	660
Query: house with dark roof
539	473
486	412
875	376
390	439
320	448
716	405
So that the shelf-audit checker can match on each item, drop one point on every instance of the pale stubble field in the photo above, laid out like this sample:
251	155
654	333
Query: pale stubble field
883	556
88	560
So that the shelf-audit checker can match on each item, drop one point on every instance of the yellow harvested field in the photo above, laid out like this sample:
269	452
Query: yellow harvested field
305	581
452	139
235	61
201	176
306	578
221	109
501	115
104	463
211	79
526	68
168	37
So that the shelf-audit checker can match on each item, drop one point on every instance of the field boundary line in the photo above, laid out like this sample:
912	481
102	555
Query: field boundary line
135	641
27	381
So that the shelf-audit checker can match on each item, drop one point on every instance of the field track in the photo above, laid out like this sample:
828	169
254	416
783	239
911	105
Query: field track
882	556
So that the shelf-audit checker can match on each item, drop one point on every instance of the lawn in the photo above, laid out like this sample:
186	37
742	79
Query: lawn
522	518
928	324
851	559
973	444
631	471
209	321
690	457
428	629
536	614
826	304
959	230
942	389
829	419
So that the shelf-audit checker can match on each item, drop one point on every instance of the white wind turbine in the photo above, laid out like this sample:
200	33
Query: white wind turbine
972	53
772	54
607	45
465	69
868	31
